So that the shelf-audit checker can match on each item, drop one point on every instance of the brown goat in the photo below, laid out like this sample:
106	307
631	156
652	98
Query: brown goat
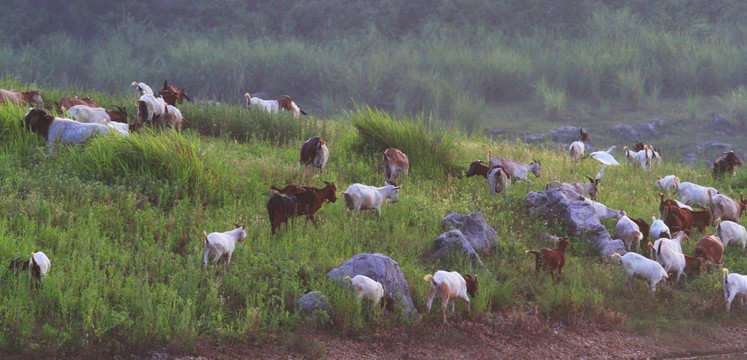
725	164
642	226
172	94
281	206
68	102
119	116
19	98
710	249
551	260
328	193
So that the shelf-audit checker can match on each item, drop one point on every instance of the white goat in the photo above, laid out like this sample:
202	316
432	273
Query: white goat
668	183
675	243
87	114
694	194
517	170
724	208
628	231
142	88
65	131
270	106
637	265
670	259
657	228
732	233
366	288
602	210
221	245
643	157
498	180
450	286
171	117
734	285
39	265
365	197
321	157
150	108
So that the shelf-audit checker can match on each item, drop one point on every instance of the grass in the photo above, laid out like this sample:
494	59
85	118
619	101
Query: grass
121	220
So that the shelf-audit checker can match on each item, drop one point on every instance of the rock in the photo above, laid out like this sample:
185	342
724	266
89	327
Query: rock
625	133
691	159
454	241
494	132
713	146
311	302
565	134
382	269
721	126
567	208
652	129
529	139
475	228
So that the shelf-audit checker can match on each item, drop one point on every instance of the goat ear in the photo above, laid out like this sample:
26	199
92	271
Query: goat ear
236	225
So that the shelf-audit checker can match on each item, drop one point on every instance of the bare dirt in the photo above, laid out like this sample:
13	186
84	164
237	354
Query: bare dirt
513	334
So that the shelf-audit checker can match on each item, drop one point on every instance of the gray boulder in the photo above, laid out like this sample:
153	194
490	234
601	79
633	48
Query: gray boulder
625	133
566	207
714	146
494	132
691	159
476	230
721	126
651	129
311	302
382	269
530	139
565	134
454	241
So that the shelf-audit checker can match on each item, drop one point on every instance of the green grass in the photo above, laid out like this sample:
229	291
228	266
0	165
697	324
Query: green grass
122	218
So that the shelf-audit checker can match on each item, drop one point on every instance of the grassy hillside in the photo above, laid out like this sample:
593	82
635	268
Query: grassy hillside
122	221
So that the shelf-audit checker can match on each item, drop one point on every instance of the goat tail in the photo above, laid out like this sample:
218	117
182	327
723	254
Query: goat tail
535	253
206	237
133	83
273	187
658	252
726	275
428	278
710	196
247	96
303	112
348	279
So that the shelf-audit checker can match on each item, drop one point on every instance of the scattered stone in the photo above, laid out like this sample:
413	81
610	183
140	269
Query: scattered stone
383	269
529	139
721	126
625	133
691	159
311	302
652	129
494	132
566	207
713	146
452	242
565	134
476	230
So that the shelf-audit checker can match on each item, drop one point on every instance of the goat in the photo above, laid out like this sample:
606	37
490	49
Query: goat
19	98
371	290
221	245
282	206
709	248
149	108
142	88
285	103
627	230
68	102
39	265
119	116
643	227
551	260
270	106
576	149
670	202
682	219
734	285
603	212
395	164
328	193
365	197
670	259
498	180
315	153
659	229
724	207
517	170
637	265
450	286
694	194
87	114
675	242
592	188
725	164
171	117
668	183
58	130
731	233
172	94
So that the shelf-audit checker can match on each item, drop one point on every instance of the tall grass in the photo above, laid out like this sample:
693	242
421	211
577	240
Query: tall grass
553	99
735	102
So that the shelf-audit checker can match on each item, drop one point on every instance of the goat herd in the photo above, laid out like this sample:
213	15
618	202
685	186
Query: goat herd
672	228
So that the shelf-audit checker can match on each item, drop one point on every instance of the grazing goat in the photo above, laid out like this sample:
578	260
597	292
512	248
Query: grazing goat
370	290
603	212
627	230
694	194
87	114
576	149
668	183
731	233
710	249
65	131
450	286
68	102
270	106
119	116
659	229
725	208
19	98
637	265
365	197
285	103
517	170
221	245
498	180
682	219
675	242
592	188
142	88
670	259
328	193
726	164
39	265
551	260
395	164
315	153
149	108
643	227
282	206
734	285
172	94
670	202
171	117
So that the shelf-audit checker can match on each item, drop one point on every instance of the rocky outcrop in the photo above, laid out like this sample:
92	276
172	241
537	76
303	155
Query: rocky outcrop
476	230
454	242
311	302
